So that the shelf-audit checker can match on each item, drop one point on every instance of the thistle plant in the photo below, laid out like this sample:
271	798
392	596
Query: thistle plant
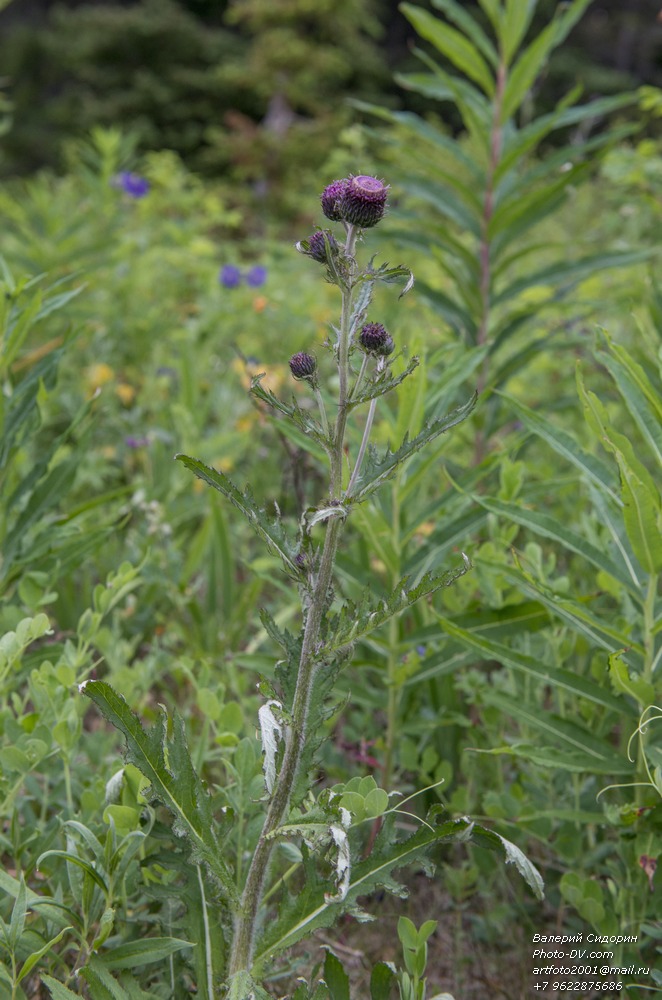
266	909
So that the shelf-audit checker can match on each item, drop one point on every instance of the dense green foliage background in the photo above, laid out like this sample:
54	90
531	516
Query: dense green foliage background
516	696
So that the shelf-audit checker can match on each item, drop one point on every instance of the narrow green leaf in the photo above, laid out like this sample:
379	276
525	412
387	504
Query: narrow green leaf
519	142
443	197
548	527
522	210
429	134
270	531
642	515
517	18
143	952
452	44
455	12
36	956
52	911
166	764
585	751
571	272
80	863
494	11
642	399
450	310
19	910
575	612
556	677
565	445
532	60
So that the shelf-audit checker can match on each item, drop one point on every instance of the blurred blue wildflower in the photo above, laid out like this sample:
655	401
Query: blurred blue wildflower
132	184
256	276
229	276
421	650
136	442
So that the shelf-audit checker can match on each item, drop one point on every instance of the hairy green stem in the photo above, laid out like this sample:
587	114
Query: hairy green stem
297	734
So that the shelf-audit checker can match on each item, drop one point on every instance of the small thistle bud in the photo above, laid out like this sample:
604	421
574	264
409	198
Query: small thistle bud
303	365
317	246
363	201
374	339
331	197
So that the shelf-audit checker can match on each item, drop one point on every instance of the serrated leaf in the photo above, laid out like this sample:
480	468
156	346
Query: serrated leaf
382	383
270	531
335	977
513	855
379	470
303	420
164	760
57	990
310	910
357	620
382	982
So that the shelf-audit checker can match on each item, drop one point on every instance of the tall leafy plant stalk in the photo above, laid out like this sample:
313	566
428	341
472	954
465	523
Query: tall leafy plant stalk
330	825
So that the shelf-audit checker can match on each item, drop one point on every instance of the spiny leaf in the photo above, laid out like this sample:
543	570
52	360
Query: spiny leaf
270	531
379	470
382	383
302	419
302	914
357	620
165	762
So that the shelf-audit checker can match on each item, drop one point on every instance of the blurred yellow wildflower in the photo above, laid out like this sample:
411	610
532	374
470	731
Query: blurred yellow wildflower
126	393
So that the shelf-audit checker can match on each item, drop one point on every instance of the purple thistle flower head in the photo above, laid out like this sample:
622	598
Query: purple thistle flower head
256	276
132	184
331	198
374	339
229	276
363	201
303	365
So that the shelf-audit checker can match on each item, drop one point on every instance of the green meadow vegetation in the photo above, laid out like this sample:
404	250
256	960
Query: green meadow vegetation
414	670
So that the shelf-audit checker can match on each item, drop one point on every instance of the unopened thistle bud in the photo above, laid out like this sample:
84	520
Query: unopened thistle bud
374	339
303	365
317	246
363	201
331	198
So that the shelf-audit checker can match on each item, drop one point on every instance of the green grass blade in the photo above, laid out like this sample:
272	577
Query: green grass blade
556	677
